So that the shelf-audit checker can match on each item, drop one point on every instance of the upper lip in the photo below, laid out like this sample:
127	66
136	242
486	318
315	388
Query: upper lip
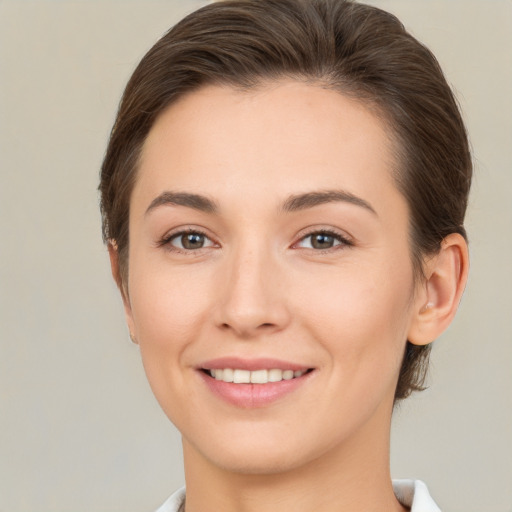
263	363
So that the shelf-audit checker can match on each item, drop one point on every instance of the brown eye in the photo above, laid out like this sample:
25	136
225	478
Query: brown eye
190	241
323	240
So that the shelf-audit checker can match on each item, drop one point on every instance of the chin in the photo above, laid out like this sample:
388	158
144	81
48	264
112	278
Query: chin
260	463
263	453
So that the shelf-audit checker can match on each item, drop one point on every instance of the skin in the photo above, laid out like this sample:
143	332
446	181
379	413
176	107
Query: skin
259	288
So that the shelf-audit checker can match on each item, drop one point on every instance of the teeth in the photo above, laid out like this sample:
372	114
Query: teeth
254	377
259	377
227	375
275	375
241	376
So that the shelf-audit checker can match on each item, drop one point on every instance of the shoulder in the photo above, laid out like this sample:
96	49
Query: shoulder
414	494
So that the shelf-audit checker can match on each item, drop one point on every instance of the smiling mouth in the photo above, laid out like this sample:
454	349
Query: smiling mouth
238	376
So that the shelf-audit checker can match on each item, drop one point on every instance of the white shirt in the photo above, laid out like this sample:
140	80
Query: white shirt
410	493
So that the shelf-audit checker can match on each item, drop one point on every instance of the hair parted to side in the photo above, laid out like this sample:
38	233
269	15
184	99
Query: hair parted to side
359	50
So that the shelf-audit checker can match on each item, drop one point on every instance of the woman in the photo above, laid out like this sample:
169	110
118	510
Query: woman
283	199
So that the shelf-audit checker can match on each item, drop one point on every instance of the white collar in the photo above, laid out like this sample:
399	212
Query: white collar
414	494
410	493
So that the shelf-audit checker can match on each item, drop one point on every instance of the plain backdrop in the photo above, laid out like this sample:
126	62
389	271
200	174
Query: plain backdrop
79	428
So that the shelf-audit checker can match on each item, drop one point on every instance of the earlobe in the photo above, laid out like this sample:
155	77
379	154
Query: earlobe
437	302
116	274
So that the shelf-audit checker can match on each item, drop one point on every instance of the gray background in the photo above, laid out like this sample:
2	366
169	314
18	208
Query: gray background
79	428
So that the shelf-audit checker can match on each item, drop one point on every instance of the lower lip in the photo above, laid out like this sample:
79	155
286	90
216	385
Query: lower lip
252	396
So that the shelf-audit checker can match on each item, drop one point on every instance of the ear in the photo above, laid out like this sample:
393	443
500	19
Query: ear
438	298
123	288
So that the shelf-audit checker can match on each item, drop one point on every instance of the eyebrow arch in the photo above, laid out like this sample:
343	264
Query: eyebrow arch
310	199
195	201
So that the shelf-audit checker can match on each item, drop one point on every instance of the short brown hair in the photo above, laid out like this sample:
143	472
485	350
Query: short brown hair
359	50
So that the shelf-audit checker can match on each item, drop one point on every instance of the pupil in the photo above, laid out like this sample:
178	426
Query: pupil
193	241
322	241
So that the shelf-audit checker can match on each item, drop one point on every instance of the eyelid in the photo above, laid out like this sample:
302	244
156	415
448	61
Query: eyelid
165	241
344	238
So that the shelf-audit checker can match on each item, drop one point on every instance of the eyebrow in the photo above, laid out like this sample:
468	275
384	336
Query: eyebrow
310	199
292	204
195	201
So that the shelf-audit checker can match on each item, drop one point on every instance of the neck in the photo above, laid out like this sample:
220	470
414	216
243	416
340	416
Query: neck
352	477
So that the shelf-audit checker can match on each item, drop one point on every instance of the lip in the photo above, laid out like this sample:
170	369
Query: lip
251	364
252	396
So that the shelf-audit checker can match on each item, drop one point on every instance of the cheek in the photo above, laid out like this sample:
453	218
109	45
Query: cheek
360	312
167	306
169	311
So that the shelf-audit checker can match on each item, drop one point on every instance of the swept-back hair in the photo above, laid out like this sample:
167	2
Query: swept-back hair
358	50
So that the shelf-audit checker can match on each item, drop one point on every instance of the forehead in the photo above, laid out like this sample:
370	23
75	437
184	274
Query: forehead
286	137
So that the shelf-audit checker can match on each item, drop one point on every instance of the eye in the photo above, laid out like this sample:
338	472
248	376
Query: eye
322	240
188	241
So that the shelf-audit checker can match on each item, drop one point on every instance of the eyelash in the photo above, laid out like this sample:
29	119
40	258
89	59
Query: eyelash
167	239
344	242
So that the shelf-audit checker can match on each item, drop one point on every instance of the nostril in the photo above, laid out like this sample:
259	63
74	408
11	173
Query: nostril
264	325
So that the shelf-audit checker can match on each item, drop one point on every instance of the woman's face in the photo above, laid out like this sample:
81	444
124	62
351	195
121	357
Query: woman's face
267	237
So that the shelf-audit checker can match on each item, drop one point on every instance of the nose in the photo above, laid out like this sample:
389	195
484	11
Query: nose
253	300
